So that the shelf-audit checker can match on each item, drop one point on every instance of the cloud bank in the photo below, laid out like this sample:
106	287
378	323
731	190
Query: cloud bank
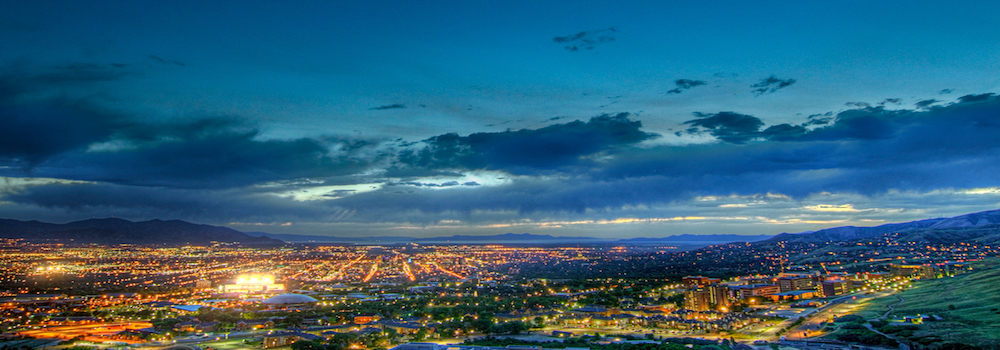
64	156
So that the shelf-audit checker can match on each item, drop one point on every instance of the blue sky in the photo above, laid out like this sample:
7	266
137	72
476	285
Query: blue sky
483	117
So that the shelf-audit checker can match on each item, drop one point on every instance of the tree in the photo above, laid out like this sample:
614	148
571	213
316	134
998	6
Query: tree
421	334
307	345
293	321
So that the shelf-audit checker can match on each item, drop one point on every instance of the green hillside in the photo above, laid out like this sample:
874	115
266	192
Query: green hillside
969	305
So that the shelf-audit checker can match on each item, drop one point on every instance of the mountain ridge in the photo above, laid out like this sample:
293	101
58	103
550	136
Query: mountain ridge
982	225
121	231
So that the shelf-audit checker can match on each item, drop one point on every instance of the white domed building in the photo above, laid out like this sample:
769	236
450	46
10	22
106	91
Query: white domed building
290	300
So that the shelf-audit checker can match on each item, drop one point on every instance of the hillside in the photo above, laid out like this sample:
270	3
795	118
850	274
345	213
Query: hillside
981	227
967	303
119	231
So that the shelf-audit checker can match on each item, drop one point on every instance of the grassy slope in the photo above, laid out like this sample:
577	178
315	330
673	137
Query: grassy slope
975	297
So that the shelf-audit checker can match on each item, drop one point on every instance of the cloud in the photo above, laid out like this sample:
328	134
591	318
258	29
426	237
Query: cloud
819	119
895	101
219	169
586	40
857	104
976	98
18	79
727	126
945	91
46	132
925	103
685	84
386	107
33	132
166	61
146	203
529	150
770	85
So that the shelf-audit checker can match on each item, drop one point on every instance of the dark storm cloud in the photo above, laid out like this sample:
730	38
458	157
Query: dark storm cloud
209	153
685	84
145	203
587	40
976	98
819	119
726	126
226	159
925	103
46	133
529	150
33	132
18	79
865	151
34	129
740	128
392	106
770	85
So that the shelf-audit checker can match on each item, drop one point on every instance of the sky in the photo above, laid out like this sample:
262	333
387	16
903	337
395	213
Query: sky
436	118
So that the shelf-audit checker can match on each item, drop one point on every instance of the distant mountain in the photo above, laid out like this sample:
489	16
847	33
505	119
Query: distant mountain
982	227
506	238
119	231
688	238
288	237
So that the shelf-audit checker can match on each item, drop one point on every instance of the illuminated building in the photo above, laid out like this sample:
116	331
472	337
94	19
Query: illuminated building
249	284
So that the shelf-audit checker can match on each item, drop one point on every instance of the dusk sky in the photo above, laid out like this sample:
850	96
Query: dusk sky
571	118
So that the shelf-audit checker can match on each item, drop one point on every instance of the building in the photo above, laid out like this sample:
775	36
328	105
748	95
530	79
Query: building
836	287
694	281
698	300
921	271
290	300
249	284
719	295
698	281
366	318
791	283
794	295
758	290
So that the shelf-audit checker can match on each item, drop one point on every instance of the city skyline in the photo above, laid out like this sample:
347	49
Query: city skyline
567	119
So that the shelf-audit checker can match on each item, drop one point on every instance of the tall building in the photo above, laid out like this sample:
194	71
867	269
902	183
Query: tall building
719	295
698	300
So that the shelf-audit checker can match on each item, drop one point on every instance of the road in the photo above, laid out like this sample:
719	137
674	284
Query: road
813	324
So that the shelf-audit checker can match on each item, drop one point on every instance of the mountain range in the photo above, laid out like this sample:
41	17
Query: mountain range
979	227
509	238
119	231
